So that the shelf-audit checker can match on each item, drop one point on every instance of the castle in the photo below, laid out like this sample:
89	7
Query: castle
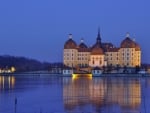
101	54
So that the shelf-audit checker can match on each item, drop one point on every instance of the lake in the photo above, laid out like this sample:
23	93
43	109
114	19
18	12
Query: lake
53	94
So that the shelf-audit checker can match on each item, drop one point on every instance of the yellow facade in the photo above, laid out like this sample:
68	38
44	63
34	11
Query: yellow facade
83	59
102	54
112	58
129	57
124	57
70	57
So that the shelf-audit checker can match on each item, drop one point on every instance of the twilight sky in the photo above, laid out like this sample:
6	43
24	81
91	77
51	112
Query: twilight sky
39	28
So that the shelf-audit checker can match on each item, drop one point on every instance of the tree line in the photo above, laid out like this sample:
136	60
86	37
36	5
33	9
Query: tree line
23	64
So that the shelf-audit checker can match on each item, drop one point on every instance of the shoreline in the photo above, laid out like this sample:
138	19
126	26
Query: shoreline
70	75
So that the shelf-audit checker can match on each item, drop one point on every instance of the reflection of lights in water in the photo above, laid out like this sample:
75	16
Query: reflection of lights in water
3	82
0	82
76	76
12	81
7	81
0	79
99	92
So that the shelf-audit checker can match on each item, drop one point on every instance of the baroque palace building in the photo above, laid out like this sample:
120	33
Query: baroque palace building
101	54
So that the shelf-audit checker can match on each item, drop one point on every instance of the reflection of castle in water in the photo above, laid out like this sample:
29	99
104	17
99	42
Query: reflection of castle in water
100	92
125	92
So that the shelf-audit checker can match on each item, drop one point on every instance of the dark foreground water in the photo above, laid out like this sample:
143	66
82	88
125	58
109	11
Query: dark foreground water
46	94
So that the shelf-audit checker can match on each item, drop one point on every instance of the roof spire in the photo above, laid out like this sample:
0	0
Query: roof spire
99	36
99	32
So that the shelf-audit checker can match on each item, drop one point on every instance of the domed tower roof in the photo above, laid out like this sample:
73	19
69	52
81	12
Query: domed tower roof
83	47
127	42
82	44
137	47
70	43
97	51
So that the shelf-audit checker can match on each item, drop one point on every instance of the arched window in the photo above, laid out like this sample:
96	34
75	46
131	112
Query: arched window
100	62
93	62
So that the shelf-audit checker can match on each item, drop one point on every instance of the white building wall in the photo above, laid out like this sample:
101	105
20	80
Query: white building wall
96	60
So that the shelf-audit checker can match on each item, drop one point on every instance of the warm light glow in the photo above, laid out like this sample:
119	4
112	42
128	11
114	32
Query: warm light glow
13	69
76	76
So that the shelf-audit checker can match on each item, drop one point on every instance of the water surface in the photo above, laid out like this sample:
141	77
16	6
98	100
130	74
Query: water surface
52	94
